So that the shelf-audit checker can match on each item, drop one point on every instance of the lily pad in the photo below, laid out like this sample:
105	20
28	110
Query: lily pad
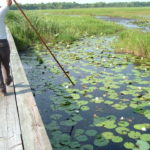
120	106
81	103
123	123
74	144
75	96
134	134
101	141
143	145
53	126
129	145
87	147
77	118
145	137
78	132
82	138
117	139
107	122
68	123
91	132
107	135
65	139
108	102
85	108
122	130
142	126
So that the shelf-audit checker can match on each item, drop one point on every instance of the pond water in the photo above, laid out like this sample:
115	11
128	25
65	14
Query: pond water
107	109
128	23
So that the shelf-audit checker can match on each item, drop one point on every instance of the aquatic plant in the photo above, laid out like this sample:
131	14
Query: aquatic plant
134	42
56	28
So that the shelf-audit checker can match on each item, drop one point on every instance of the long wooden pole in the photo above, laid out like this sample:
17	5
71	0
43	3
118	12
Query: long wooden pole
42	40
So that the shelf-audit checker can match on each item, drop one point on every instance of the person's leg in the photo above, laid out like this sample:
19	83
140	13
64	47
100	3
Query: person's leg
1	76
2	85
5	61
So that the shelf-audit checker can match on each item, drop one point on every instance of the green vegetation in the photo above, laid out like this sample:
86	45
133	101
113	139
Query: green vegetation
72	24
134	42
132	12
65	5
57	28
108	106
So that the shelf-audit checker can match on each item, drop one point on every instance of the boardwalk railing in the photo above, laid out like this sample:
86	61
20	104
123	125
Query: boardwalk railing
21	126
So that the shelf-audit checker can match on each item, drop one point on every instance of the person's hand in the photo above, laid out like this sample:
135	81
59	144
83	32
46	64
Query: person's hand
8	2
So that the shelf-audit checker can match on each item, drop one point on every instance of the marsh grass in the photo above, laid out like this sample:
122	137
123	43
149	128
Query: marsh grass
127	12
66	26
134	42
56	29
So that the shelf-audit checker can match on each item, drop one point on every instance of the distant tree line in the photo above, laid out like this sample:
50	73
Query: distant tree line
66	5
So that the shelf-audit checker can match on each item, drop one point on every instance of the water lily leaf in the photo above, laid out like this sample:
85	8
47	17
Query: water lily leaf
142	126
123	123
107	122
82	138
134	134
143	145
68	123
147	114
117	139
108	102
91	132
87	147
145	137
74	144
107	135
97	100
75	96
120	106
129	145
101	141
85	108
79	132
110	125
122	130
53	126
80	103
77	118
65	139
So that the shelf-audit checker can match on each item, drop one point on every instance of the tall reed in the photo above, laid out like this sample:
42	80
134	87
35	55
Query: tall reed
134	42
56	28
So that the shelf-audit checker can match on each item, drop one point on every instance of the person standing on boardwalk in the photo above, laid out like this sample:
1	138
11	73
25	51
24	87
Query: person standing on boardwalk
4	48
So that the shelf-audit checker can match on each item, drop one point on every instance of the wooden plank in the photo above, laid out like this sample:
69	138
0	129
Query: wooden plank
33	131
10	135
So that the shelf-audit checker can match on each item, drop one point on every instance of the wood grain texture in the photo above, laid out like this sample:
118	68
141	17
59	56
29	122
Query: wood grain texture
10	135
33	131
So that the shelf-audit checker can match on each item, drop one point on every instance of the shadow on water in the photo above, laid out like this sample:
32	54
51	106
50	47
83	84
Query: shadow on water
106	106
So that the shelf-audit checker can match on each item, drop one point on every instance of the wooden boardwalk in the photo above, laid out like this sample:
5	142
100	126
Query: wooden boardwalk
21	126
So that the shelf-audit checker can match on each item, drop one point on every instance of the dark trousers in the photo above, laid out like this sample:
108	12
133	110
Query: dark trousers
4	60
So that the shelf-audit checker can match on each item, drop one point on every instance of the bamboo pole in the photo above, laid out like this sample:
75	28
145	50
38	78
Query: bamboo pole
43	41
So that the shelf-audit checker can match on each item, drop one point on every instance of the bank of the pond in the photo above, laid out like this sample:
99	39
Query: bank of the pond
57	28
67	29
134	42
109	106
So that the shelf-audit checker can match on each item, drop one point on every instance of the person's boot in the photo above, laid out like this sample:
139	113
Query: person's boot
9	80
3	90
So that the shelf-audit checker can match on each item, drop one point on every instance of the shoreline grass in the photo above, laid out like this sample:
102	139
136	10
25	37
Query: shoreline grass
125	12
57	28
60	26
134	42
